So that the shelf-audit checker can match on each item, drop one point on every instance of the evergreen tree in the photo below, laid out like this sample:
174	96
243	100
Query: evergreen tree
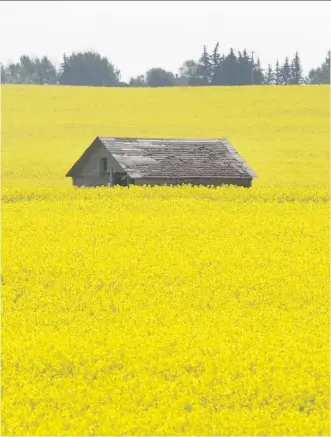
286	72
206	68
240	79
296	70
291	80
326	69
320	75
258	73
270	76
230	69
216	75
252	69
244	69
4	75
278	74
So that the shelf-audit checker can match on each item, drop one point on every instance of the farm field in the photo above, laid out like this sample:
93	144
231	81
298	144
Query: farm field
166	311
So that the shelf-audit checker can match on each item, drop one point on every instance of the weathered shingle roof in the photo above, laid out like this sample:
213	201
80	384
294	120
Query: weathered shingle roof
176	158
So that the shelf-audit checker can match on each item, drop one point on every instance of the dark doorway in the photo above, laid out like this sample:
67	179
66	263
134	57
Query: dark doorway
122	179
103	165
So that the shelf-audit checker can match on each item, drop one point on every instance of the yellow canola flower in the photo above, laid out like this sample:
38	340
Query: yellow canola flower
166	310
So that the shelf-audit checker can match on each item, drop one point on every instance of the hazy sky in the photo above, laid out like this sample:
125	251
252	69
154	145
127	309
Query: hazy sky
136	36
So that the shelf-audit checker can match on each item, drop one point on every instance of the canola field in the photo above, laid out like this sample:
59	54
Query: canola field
168	310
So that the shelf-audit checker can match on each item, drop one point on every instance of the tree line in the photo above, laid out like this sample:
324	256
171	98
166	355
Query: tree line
214	68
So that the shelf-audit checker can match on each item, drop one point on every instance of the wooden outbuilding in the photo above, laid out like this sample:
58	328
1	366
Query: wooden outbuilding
155	161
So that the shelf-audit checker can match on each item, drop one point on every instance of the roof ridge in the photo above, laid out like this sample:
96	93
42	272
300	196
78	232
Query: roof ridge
186	140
